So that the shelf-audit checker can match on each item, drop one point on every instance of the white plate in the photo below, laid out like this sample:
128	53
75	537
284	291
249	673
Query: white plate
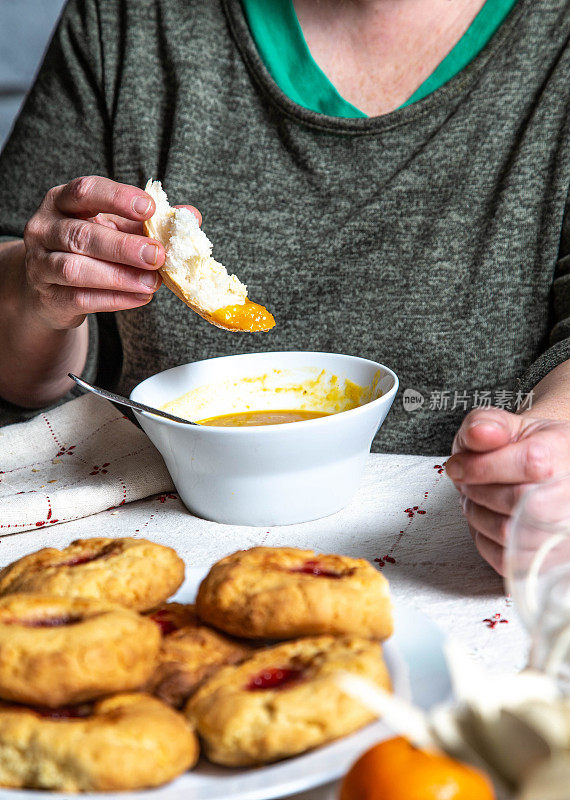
417	665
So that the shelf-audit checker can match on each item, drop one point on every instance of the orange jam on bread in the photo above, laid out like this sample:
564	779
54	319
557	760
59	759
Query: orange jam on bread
243	419
247	317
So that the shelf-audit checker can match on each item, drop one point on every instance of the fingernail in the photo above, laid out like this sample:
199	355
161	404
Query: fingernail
149	253
490	422
141	205
149	279
144	298
454	470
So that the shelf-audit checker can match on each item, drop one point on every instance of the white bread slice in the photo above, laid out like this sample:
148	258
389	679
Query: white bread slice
193	275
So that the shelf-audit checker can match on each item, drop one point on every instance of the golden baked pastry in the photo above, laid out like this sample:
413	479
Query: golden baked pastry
134	573
57	650
129	741
283	592
284	700
190	652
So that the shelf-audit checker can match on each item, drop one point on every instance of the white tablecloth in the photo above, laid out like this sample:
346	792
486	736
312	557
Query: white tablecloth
405	517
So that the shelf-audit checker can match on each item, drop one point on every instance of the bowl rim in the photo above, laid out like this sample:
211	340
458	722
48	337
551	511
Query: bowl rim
278	428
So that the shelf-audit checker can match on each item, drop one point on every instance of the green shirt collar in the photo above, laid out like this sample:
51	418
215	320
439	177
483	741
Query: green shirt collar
281	44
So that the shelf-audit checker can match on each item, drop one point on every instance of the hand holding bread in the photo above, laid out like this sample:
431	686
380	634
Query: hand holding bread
86	252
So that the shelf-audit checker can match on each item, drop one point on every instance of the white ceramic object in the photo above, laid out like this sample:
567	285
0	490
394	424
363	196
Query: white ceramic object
266	475
414	656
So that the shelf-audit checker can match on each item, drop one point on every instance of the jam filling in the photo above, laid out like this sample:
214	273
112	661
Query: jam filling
65	712
275	678
108	550
163	619
314	568
46	622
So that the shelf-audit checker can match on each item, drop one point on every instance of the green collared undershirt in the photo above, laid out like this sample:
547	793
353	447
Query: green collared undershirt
284	51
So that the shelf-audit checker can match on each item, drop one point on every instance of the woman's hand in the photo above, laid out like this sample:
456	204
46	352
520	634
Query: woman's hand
496	456
85	252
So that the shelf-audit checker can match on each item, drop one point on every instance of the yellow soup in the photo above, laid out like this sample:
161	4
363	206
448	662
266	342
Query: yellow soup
246	418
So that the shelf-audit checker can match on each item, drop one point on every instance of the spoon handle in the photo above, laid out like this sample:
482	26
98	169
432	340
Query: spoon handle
124	401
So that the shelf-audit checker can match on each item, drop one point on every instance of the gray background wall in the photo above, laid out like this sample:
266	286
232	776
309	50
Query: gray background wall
25	30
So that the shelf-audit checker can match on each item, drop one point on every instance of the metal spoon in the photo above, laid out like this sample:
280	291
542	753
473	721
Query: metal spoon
123	401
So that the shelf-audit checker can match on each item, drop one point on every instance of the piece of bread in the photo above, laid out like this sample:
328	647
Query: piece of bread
194	276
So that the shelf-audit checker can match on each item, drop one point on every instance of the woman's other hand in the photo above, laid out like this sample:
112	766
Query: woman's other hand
496	456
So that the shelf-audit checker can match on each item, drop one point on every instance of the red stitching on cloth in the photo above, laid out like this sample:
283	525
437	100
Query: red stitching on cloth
162	498
48	423
79	457
39	523
124	498
49	518
385	560
100	469
64	448
145	524
411	511
66	451
496	619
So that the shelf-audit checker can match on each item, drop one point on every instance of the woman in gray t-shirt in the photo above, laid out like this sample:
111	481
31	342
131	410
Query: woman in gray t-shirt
433	236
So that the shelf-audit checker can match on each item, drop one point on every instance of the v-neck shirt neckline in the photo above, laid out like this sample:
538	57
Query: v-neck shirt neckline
281	44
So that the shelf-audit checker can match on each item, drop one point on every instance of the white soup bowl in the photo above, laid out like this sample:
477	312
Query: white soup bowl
272	474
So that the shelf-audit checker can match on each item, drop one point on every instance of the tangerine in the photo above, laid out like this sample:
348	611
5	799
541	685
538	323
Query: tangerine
397	770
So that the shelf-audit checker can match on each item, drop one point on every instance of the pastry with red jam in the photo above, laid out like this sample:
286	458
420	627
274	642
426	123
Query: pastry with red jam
134	573
284	700
190	653
122	743
283	593
60	651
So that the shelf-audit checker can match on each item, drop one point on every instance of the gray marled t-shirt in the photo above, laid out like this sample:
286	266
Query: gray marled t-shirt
432	239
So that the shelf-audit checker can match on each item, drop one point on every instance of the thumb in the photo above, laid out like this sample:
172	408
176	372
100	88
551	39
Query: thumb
487	429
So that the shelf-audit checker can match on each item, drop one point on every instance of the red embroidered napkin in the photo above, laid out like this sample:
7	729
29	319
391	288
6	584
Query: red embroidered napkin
80	458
